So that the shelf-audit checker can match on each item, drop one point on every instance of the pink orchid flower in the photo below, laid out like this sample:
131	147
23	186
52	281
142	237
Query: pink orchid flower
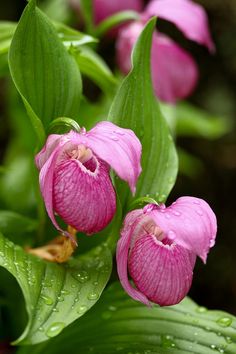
159	245
105	8
174	71
74	174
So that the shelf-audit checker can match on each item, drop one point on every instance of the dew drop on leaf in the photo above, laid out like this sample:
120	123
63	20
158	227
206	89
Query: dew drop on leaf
81	309
47	300
224	321
167	341
55	329
82	276
106	315
93	296
201	309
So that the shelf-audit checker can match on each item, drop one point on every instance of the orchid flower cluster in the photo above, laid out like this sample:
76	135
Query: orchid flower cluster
158	245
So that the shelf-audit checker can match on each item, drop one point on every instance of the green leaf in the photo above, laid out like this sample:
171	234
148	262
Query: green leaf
7	30
120	325
55	295
86	7
62	125
136	107
12	223
189	165
46	76
95	68
193	121
16	184
58	10
69	36
115	20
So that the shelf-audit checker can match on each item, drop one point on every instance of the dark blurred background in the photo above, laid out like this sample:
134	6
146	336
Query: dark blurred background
214	285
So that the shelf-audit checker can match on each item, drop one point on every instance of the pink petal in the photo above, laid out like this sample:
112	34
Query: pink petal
161	270
105	8
119	147
46	177
189	222
125	43
174	72
46	151
189	17
130	230
83	195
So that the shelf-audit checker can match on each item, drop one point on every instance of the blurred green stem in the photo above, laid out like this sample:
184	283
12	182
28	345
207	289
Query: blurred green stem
40	208
169	113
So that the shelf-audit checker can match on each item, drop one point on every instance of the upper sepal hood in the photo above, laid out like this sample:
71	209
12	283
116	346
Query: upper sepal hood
189	17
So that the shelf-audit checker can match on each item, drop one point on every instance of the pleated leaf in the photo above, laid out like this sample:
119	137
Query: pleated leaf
55	295
117	324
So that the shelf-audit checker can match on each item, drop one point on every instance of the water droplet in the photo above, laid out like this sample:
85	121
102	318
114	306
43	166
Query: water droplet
201	309
213	346
167	341
171	235
55	329
82	309
196	202
47	300
199	212
106	315
224	321
82	276
93	296
112	308
114	138
41	329
55	309
60	298
148	208
119	132
167	216
228	340
141	133
65	292
95	283
162	198
176	213
212	242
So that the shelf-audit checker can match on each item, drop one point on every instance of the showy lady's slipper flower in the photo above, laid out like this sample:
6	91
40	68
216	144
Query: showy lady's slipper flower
158	246
74	174
174	71
105	8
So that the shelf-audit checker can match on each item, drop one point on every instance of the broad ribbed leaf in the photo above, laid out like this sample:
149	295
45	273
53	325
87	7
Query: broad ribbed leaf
118	324
12	223
55	295
136	107
46	76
